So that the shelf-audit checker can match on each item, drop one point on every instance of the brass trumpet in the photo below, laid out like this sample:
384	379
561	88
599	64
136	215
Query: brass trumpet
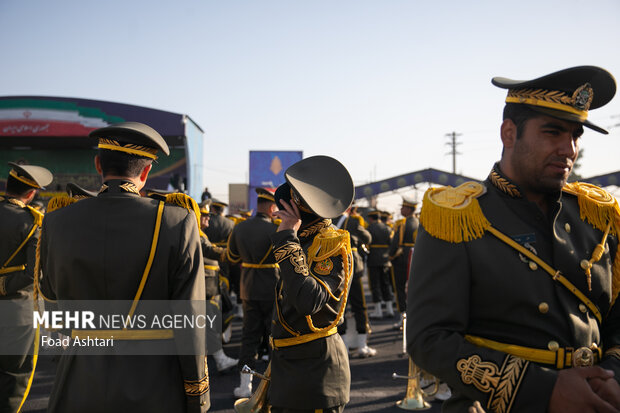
258	402
414	398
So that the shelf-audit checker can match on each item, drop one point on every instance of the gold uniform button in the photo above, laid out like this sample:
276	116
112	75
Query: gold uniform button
567	227
583	308
533	266
553	345
543	308
585	264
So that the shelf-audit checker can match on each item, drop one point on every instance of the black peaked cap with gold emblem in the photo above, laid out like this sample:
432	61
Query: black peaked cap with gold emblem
134	138
319	185
567	94
35	176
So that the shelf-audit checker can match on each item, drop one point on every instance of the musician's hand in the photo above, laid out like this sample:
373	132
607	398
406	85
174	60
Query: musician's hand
475	408
290	216
608	390
573	394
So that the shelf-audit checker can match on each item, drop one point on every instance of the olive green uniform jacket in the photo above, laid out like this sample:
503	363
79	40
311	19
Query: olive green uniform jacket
18	224
250	244
480	287
381	239
97	249
312	375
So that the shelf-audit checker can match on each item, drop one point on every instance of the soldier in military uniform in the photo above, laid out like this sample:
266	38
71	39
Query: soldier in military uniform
379	265
20	227
403	240
220	228
514	280
215	288
250	245
310	365
354	223
136	249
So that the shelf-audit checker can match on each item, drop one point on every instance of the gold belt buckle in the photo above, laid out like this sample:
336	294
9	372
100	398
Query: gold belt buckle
583	357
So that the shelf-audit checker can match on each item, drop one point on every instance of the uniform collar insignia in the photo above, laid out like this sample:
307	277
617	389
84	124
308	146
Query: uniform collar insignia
17	202
315	227
502	183
116	186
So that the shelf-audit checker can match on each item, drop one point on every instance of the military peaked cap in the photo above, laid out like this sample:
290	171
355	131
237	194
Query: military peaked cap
567	94
34	176
76	191
319	185
265	193
131	137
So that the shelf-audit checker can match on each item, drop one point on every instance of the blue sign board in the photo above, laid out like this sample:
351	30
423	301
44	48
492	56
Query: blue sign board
267	170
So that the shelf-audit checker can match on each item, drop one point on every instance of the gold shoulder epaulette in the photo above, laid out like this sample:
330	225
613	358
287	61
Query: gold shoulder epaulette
454	214
599	208
400	222
59	201
596	206
329	242
360	219
187	202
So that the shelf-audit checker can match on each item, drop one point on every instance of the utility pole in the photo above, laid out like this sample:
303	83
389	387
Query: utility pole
453	143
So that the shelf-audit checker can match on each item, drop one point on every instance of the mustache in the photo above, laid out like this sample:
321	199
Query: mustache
563	161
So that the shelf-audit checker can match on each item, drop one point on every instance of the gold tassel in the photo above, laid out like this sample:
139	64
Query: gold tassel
187	202
451	222
328	243
59	201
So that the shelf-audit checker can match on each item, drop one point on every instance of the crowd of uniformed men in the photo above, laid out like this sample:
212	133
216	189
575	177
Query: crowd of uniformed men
511	294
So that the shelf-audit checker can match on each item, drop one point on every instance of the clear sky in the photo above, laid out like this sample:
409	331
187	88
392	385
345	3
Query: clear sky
376	84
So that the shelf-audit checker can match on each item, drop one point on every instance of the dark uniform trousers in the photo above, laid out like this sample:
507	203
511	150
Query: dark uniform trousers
400	253
250	245
357	300
16	333
97	249
480	307
310	375
379	271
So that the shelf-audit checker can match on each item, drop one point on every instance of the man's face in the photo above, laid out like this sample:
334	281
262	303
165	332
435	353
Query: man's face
204	220
406	211
543	157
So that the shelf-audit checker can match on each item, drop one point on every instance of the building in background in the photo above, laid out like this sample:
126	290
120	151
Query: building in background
53	132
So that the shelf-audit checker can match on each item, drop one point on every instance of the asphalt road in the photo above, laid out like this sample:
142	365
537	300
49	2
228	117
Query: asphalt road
372	386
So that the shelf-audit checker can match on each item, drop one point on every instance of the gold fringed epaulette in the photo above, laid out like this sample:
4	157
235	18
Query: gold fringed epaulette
60	201
596	206
454	214
601	210
329	242
187	202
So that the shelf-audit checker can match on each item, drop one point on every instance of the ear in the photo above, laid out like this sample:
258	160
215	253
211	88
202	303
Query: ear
508	132
29	195
98	165
145	173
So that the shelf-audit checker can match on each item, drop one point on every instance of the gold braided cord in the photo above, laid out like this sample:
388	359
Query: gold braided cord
149	263
37	223
59	201
555	274
23	179
326	244
197	387
129	148
553	99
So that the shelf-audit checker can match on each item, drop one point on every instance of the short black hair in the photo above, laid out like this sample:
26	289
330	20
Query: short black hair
16	187
122	164
216	209
519	114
